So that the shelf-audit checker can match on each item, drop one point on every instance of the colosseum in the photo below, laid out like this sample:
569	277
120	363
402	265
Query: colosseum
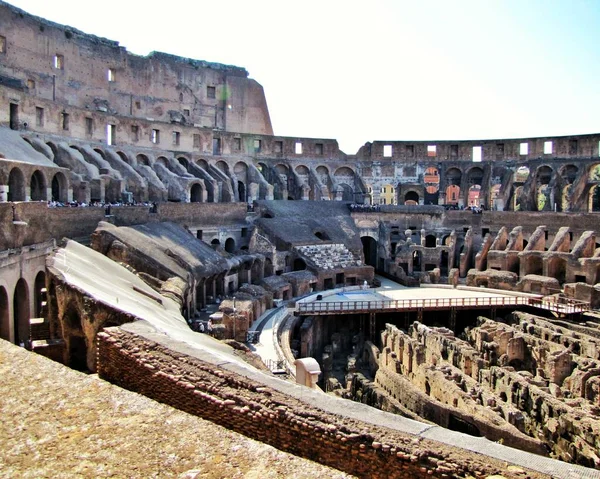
415	309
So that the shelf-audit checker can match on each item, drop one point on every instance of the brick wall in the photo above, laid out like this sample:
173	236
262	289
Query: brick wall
264	413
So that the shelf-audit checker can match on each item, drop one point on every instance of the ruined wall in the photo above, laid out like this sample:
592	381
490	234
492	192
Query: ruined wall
47	61
247	406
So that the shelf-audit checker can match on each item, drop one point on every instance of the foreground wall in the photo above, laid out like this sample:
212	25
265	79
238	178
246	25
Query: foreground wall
246	405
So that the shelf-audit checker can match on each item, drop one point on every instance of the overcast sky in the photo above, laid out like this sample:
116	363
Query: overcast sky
381	70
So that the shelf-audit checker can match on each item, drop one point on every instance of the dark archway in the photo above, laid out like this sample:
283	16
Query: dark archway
299	264
242	191
268	267
444	263
21	312
143	160
369	250
230	245
16	185
77	344
411	198
4	315
215	243
38	293
430	241
37	186
59	188
196	193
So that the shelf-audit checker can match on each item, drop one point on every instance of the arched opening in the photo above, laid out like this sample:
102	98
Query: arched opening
444	263
495	202
521	174
38	293
59	188
474	197
431	178
230	245
4	315
452	194
76	340
21	312
161	160
369	250
123	157
215	243
299	264
142	160
416	257
242	191
37	186
430	241
268	267
221	165
557	268
411	198
16	185
183	162
196	193
594	199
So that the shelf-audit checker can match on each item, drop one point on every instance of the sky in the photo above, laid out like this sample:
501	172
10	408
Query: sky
360	71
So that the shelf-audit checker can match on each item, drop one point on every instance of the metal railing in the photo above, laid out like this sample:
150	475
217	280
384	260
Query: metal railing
565	306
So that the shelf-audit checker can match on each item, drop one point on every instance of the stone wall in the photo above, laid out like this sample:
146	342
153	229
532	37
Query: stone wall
261	412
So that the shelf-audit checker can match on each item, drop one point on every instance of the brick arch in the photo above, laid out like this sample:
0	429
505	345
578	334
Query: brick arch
60	187
222	166
302	170
38	186
143	159
202	163
344	171
16	185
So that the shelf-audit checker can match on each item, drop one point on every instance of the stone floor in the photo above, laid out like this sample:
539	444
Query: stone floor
58	423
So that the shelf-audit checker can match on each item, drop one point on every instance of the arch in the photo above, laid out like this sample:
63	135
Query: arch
431	178
281	169
242	191
347	192
594	199
37	186
202	164
430	241
183	161
59	188
369	250
39	286
344	171
453	176
4	315
161	160
221	165
557	268
299	264
475	176
411	198
240	169
99	151
124	157
302	170
230	245
77	346
521	174
142	160
21	311
268	267
594	174
196	193
215	243
322	171
544	175
569	173
16	185
474	196
322	235
452	194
